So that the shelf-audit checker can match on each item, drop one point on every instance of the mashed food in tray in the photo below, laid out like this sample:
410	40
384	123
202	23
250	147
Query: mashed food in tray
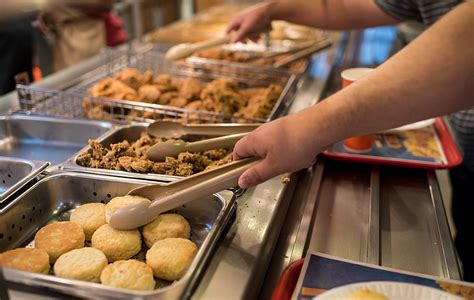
114	257
422	143
223	95
131	157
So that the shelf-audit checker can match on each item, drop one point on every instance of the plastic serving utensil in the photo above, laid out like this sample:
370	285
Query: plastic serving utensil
169	129
160	151
171	195
186	49
316	47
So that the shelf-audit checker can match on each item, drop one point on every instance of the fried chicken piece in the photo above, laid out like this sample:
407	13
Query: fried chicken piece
224	94
163	79
112	88
159	168
195	105
184	169
96	112
261	101
97	149
84	159
122	149
178	102
133	78
212	53
225	160
149	93
135	164
165	83
190	89
167	97
215	154
141	146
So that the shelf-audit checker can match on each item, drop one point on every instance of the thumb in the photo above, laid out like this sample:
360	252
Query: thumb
259	173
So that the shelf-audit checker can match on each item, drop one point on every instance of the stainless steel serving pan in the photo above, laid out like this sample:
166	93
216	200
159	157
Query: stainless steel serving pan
46	138
16	173
54	196
116	135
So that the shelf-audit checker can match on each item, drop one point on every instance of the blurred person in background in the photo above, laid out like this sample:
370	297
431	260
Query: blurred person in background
80	31
16	51
432	76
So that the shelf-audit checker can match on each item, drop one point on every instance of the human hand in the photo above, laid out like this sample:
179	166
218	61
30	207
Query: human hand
250	22
284	145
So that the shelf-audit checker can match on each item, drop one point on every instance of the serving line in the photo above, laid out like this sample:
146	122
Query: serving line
319	196
243	255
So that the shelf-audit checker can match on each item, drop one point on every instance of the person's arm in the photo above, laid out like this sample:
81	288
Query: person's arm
432	76
324	14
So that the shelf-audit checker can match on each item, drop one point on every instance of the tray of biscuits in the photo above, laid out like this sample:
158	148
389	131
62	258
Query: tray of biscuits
56	236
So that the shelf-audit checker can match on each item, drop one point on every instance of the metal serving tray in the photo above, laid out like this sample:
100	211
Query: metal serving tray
53	198
235	66
45	138
117	135
68	103
15	173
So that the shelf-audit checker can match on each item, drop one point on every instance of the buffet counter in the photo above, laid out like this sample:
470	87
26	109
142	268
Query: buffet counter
382	215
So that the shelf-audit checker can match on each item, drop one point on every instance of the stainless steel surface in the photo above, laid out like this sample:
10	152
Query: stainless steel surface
239	265
410	230
56	195
392	217
45	138
71	103
452	268
179	193
16	173
373	244
342	213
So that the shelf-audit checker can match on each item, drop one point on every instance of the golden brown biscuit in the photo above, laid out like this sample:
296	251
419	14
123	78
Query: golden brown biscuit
170	258
128	274
119	202
81	264
59	238
90	216
166	226
117	244
26	259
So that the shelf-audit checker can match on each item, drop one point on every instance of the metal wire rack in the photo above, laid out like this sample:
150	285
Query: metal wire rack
75	102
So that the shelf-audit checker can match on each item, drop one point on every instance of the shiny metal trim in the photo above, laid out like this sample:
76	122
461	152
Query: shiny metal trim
373	247
450	264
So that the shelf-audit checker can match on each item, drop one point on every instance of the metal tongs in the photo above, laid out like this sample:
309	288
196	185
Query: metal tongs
169	196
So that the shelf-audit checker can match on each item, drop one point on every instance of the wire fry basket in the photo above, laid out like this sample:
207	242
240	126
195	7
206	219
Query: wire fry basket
75	102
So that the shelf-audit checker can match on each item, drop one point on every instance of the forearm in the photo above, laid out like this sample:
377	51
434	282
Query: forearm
432	76
330	14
